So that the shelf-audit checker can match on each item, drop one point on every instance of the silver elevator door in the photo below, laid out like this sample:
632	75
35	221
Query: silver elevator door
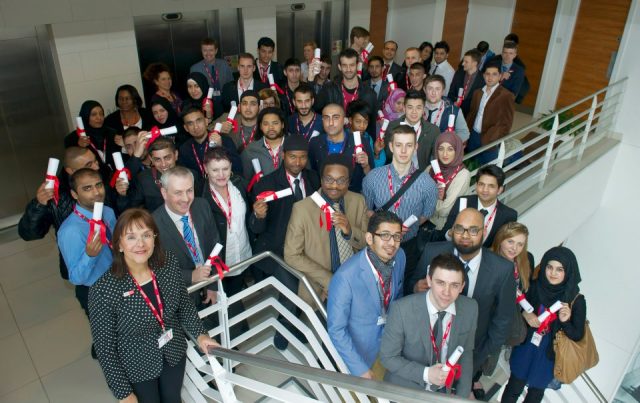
177	43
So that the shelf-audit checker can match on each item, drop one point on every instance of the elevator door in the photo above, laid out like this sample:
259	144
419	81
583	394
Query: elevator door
177	42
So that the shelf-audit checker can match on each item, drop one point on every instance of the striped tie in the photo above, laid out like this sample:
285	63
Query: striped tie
190	240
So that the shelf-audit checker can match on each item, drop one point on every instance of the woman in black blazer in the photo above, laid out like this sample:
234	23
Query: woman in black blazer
137	313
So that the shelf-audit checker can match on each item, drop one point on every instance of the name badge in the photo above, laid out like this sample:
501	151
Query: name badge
165	338
382	320
536	339
216	93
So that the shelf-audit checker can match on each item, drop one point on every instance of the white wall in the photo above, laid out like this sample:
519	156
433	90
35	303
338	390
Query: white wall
258	22
410	22
360	15
488	20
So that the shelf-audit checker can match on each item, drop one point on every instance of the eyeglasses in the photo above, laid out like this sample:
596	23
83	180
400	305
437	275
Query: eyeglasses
192	123
146	237
330	180
460	230
386	236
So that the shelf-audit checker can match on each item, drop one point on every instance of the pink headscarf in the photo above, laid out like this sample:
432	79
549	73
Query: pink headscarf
448	170
388	107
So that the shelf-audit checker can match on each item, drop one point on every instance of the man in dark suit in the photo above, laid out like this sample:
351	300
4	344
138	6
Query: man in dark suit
348	89
511	73
388	55
407	350
232	90
489	185
489	280
269	221
411	56
377	82
266	66
491	115
187	227
469	79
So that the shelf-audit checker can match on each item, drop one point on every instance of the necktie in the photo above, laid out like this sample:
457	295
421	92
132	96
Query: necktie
484	212
466	279
213	75
297	192
430	114
344	249
386	70
437	335
434	70
190	240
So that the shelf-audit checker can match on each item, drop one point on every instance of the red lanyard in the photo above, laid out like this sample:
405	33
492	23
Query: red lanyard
386	292
391	192
406	78
275	156
444	340
246	143
466	86
292	107
486	226
156	291
516	274
452	177
215	199
156	179
195	155
84	217
437	119
206	68
291	179
264	72
300	126
103	157
348	98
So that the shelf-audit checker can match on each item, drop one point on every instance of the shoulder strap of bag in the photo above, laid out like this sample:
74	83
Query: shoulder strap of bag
400	192
574	300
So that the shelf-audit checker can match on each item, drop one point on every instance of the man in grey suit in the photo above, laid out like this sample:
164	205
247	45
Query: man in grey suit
424	329
489	282
187	227
216	70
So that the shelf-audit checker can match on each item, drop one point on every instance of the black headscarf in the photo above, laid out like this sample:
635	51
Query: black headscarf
85	114
547	294
172	119
202	83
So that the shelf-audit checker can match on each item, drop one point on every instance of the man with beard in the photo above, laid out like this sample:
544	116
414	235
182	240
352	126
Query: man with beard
268	149
305	121
488	280
247	118
440	64
411	57
377	81
388	55
292	74
215	69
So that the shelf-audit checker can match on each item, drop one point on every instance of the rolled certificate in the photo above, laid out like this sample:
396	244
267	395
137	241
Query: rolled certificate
460	92
167	131
52	170
390	78
271	81
215	252
520	299
80	127
357	141
316	53
261	104
210	93
380	115
277	195
369	47
256	165
232	113
453	359
463	203
320	202
359	69
436	167
314	134
392	84
117	159
234	104
554	308
452	122
97	211
410	221
216	130
383	128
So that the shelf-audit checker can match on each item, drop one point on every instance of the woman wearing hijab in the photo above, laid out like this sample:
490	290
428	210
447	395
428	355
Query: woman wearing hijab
130	111
449	151
197	88
393	106
99	138
532	362
159	75
164	116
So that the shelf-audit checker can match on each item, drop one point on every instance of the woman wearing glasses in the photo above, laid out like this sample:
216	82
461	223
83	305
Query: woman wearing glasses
137	312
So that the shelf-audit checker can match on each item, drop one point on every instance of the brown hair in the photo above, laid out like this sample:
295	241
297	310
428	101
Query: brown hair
510	230
153	70
266	93
140	218
313	44
358	32
209	41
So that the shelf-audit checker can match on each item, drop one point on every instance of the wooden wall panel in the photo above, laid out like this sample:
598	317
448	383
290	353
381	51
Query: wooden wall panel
596	36
533	22
378	24
455	21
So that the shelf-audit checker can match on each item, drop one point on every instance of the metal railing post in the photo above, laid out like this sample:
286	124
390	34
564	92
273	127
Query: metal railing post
501	153
223	317
549	152
224	386
587	127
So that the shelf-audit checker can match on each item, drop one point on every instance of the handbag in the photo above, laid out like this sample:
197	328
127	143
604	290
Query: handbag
574	357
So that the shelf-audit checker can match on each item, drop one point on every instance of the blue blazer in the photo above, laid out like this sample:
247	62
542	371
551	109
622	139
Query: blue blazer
353	309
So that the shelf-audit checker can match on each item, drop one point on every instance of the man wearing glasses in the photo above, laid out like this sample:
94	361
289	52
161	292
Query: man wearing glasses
488	280
419	199
319	240
361	292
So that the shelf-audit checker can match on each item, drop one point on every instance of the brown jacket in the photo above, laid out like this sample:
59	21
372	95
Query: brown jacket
498	114
306	246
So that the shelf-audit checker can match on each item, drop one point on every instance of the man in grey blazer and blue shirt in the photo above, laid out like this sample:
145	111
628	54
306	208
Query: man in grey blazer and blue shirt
489	281
424	329
216	70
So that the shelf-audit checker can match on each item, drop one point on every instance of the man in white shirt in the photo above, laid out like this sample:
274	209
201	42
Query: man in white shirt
438	109
232	91
418	342
440	64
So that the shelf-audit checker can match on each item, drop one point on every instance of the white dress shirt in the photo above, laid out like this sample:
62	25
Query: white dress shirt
240	90
301	183
445	70
490	209
474	269
433	317
477	124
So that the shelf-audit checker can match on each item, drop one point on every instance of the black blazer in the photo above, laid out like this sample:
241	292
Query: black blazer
125	332
395	69
275	69
219	216
458	82
383	93
144	190
113	120
171	240
495	293
504	214
230	92
271	230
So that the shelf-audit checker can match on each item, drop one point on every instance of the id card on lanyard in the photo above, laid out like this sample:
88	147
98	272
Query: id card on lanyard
383	291
158	314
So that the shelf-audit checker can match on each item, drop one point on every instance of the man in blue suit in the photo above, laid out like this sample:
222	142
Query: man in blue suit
511	74
361	292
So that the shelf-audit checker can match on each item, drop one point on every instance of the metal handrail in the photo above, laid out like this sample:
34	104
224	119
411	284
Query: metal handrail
257	258
594	389
378	389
